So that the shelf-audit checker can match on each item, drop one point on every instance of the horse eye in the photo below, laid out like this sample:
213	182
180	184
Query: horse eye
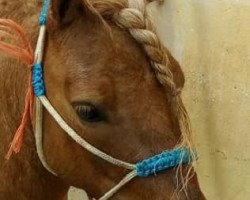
88	112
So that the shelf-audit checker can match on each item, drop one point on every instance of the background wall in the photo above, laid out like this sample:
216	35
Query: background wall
211	40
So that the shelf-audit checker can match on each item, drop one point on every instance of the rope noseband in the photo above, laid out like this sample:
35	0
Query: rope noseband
145	168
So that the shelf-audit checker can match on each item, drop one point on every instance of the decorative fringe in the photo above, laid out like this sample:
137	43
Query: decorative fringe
17	141
23	51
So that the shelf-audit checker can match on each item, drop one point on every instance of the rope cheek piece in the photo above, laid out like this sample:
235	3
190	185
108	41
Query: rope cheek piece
145	168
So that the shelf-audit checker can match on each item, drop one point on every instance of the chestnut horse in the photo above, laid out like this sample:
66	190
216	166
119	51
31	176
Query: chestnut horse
101	75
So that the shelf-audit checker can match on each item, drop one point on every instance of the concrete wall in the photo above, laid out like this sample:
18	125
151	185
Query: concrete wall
211	40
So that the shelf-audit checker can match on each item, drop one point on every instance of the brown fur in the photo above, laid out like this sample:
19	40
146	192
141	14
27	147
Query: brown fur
83	63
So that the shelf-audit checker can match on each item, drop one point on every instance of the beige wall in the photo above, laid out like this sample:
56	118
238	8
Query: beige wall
211	40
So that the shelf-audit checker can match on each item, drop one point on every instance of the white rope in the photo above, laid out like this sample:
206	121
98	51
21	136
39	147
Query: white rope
80	140
115	189
39	108
40	45
38	136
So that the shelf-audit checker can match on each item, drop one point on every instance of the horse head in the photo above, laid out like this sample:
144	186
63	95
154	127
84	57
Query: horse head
110	78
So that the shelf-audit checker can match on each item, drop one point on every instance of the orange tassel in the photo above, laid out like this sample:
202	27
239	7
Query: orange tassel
24	52
17	141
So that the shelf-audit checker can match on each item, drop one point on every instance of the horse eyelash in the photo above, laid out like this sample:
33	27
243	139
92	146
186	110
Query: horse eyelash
87	108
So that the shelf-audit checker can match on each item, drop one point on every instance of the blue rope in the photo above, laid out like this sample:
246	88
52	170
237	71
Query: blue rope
163	161
37	75
44	12
37	80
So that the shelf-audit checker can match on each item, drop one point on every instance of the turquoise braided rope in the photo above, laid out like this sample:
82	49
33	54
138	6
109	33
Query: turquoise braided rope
44	12
163	161
37	80
37	74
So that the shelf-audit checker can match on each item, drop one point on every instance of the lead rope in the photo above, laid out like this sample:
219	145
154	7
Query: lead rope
150	166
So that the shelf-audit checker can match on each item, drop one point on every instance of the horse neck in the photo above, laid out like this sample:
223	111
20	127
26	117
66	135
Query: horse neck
22	177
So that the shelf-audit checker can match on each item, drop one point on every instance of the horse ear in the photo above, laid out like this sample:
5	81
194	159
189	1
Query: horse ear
64	11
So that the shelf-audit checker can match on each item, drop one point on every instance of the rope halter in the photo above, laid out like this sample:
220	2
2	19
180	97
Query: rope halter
144	168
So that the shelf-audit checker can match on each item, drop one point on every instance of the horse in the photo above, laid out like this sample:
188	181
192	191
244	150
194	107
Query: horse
111	79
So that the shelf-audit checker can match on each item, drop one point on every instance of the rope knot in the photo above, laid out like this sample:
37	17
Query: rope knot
37	80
